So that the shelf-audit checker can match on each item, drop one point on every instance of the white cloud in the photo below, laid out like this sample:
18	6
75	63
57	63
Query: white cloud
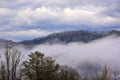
4	11
18	35
102	51
46	16
57	14
63	16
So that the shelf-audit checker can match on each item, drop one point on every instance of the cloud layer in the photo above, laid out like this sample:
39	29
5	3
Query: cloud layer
24	35
101	51
52	15
98	53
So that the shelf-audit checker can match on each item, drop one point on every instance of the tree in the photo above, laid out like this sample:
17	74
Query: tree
116	75
39	67
2	72
11	63
105	75
68	73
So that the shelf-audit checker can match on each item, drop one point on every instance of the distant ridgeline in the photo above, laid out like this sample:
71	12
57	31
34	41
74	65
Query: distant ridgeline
64	38
4	43
71	36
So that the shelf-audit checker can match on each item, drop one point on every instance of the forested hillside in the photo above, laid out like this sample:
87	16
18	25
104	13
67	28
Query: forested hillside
71	36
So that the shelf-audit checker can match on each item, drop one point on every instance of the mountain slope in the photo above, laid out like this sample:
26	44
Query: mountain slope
62	37
71	36
4	43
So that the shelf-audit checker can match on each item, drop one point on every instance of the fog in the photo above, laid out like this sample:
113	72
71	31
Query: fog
102	51
106	50
98	52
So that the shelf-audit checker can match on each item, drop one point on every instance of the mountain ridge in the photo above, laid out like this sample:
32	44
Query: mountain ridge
71	36
63	38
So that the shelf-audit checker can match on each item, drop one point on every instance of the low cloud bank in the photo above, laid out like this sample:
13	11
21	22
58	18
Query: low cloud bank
103	51
77	55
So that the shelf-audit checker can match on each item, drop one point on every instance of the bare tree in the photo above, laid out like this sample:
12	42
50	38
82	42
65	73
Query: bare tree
7	57
12	59
2	72
116	75
105	75
68	73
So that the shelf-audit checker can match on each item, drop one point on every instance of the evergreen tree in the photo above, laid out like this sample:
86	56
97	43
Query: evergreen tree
39	67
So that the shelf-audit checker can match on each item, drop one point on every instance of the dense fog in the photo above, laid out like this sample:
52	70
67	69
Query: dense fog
78	55
102	51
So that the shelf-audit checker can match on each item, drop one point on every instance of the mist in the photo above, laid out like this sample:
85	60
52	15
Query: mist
101	52
79	55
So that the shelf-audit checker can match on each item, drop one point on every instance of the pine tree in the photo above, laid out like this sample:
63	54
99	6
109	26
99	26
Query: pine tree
39	67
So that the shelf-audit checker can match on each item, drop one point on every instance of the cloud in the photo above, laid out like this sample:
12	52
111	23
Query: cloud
54	3
57	15
18	35
75	54
99	52
80	55
5	14
66	16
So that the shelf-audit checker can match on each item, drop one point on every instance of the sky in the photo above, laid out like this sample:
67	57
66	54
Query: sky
28	19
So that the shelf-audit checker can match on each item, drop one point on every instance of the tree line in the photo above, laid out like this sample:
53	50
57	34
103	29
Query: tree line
41	67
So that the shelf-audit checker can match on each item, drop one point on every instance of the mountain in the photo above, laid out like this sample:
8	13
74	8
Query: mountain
71	36
4	43
62	37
